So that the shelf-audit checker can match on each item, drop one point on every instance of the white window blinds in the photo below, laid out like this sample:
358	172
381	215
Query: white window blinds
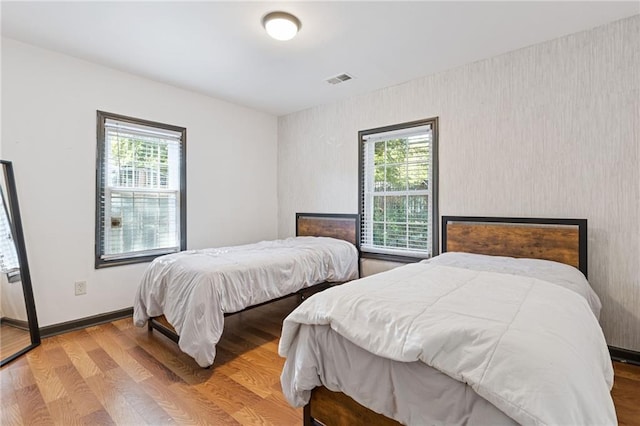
140	194
397	192
8	256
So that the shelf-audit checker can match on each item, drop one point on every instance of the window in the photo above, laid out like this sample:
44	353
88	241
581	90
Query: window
399	191
8	257
140	190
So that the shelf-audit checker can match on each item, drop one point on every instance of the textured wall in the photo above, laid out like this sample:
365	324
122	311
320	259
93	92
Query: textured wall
551	130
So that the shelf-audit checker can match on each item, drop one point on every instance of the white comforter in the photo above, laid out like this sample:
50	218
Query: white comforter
532	348
194	289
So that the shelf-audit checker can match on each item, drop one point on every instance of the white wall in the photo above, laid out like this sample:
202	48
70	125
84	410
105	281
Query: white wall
551	130
49	104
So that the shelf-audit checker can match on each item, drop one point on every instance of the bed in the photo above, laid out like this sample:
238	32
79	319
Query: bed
186	295
500	329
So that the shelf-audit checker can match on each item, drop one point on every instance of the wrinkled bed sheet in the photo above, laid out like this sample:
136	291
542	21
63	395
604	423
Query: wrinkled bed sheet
194	289
452	341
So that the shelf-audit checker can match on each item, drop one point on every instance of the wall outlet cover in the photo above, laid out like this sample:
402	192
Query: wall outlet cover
80	288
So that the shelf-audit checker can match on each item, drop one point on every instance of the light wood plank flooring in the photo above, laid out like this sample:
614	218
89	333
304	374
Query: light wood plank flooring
13	340
116	373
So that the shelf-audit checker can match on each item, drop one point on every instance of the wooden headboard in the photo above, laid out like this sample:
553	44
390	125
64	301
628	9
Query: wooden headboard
560	240
335	225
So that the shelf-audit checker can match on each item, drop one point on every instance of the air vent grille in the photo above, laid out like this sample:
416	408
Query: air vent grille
339	78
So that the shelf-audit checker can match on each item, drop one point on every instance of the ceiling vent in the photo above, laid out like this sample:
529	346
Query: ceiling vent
339	78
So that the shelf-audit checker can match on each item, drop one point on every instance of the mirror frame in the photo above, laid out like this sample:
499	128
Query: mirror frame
21	251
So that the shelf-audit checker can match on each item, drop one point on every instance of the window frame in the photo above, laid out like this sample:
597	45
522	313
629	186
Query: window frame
101	118
435	220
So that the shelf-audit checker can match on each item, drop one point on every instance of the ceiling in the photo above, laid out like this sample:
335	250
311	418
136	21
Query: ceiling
220	48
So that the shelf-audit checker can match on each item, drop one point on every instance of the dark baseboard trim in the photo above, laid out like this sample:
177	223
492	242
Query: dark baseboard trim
22	325
64	327
624	355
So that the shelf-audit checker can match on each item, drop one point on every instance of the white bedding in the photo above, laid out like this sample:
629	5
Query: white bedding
532	348
194	289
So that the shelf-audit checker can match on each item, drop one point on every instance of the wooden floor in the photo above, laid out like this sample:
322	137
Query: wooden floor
13	340
626	394
120	374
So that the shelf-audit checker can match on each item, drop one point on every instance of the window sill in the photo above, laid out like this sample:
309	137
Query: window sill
392	257
100	263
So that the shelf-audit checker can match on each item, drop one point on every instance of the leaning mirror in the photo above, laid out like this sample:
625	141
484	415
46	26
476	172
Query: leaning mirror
18	323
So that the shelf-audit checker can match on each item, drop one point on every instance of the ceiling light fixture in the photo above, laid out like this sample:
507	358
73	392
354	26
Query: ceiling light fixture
281	25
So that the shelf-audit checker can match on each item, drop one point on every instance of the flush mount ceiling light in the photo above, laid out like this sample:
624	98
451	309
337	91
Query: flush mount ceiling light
281	25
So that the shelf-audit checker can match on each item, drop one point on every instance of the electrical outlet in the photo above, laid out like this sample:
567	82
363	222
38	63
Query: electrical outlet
81	288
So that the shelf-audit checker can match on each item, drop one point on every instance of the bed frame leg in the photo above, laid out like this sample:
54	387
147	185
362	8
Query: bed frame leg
306	418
